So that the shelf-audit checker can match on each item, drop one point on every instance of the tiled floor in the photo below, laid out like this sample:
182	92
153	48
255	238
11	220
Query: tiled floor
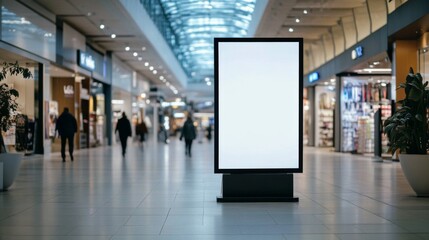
160	194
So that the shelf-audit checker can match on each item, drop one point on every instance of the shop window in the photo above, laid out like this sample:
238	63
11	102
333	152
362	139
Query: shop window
361	97
325	104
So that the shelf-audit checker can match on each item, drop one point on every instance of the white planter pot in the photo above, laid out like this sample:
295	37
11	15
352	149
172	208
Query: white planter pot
11	163
416	169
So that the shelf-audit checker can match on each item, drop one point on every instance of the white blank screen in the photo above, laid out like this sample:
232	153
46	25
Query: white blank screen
258	87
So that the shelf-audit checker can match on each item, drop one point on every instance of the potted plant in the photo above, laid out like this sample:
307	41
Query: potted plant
407	131
8	111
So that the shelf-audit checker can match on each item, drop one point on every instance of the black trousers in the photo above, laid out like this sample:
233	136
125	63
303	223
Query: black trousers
70	139
188	145
124	145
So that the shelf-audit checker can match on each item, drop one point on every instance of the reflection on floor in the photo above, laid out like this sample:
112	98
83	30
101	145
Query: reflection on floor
158	193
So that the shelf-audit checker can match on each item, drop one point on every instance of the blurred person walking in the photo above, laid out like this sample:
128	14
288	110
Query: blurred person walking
189	133
141	131
124	128
66	126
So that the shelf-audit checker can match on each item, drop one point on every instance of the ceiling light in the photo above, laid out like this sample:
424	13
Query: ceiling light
143	95
326	83
209	83
113	35
297	20
143	48
305	11
102	26
332	80
290	29
376	62
155	72
140	58
146	64
207	79
135	54
127	48
161	77
151	68
376	70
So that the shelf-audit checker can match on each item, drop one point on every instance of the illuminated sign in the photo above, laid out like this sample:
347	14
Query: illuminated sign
85	60
313	77
68	91
265	69
357	52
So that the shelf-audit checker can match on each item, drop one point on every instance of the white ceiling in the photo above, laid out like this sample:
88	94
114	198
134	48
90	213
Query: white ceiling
321	16
86	16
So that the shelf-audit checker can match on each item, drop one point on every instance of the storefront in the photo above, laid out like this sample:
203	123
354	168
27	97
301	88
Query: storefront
361	98
79	82
30	40
324	114
21	136
122	98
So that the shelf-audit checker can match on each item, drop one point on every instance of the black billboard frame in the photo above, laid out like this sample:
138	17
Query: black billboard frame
216	108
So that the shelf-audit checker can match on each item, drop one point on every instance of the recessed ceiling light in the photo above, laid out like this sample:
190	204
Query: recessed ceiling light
297	20
127	48
290	29
155	72
151	68
209	83
161	77
140	58
113	35
102	26
207	79
135	54
146	64
305	11
143	48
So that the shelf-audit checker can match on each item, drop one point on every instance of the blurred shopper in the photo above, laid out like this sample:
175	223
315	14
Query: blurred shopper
209	132
141	131
189	133
66	126
124	128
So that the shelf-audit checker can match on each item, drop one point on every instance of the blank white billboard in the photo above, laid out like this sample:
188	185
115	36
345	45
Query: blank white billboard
258	85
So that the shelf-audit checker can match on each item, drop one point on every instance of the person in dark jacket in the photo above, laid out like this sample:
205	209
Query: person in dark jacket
189	133
141	131
124	128
66	126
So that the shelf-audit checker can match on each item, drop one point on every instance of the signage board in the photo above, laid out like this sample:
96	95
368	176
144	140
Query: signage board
312	77
85	60
357	52
258	105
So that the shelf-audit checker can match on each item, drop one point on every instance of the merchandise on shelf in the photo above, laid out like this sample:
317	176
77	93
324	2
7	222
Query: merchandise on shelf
360	100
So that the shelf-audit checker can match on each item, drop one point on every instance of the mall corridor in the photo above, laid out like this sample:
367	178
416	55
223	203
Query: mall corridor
159	193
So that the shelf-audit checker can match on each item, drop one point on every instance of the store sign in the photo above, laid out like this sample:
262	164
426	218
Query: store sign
313	77
68	91
357	52
266	70
85	60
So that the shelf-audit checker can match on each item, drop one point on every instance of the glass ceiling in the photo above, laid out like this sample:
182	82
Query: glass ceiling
189	26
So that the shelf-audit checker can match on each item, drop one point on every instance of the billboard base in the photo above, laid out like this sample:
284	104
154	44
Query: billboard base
257	188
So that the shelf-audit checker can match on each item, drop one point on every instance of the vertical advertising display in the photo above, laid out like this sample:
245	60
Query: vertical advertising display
258	105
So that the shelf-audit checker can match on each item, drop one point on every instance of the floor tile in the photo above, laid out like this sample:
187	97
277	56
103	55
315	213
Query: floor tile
159	194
